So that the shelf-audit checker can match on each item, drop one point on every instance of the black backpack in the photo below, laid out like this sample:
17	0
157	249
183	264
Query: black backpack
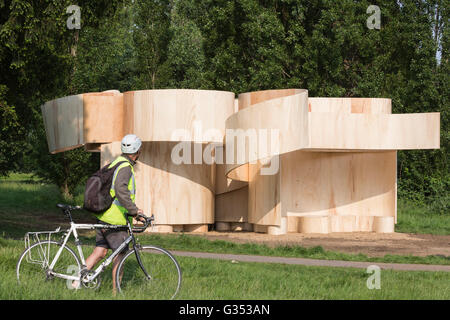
96	195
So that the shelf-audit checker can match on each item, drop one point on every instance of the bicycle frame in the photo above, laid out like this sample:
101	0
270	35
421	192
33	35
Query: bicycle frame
90	278
73	230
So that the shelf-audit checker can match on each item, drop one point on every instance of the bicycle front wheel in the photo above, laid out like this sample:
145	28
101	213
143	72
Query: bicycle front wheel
33	266
149	273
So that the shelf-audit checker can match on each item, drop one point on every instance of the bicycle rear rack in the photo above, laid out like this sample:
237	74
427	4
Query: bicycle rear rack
41	255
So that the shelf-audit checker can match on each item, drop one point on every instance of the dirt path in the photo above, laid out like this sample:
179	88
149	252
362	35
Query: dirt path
371	244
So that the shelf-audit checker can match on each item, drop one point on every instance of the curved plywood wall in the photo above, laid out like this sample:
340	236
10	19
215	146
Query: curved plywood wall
103	114
350	105
347	190
231	209
180	195
63	121
286	116
82	119
178	115
273	161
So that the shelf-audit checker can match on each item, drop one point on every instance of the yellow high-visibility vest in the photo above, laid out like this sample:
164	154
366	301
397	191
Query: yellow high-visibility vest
116	214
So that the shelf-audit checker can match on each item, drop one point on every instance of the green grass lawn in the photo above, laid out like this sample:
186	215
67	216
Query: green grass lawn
413	219
214	279
28	205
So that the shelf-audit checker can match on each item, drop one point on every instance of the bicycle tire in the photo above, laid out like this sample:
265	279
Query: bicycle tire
35	260
162	267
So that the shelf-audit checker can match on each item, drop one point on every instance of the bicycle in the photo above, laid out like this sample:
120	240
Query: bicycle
147	270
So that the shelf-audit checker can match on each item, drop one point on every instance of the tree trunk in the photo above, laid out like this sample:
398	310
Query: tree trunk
73	54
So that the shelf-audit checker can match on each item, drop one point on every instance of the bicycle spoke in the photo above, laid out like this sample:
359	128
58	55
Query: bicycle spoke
162	268
33	266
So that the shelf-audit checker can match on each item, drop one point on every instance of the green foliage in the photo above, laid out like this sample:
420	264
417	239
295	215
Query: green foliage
324	46
105	55
186	58
11	135
37	55
414	217
67	170
151	34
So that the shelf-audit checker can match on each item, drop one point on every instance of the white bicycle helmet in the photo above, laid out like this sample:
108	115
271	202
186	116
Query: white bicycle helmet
130	144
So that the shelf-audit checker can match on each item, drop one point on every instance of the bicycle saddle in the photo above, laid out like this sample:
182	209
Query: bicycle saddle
67	207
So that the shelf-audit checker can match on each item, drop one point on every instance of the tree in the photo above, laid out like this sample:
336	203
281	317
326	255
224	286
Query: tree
67	170
37	55
324	46
151	34
185	54
11	133
105	55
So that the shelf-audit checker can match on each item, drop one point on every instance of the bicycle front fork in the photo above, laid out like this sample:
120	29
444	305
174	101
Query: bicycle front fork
138	258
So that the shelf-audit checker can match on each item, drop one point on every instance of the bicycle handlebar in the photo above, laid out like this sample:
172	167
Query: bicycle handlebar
147	223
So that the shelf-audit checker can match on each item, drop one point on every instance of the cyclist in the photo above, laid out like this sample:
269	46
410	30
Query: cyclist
123	190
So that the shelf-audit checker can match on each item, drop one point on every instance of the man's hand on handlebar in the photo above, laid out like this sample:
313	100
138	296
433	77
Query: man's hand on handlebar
140	217
145	220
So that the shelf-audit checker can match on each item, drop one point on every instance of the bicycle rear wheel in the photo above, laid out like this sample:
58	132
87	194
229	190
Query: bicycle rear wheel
33	265
164	274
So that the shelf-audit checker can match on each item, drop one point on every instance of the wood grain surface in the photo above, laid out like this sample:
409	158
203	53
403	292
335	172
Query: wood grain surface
335	158
164	115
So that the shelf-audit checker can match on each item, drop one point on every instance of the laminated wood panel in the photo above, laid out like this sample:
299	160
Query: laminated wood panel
264	207
223	183
63	121
340	181
338	184
232	206
348	188
368	132
350	105
89	118
383	224
176	194
355	190
178	114
251	98
313	224
252	127
103	117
